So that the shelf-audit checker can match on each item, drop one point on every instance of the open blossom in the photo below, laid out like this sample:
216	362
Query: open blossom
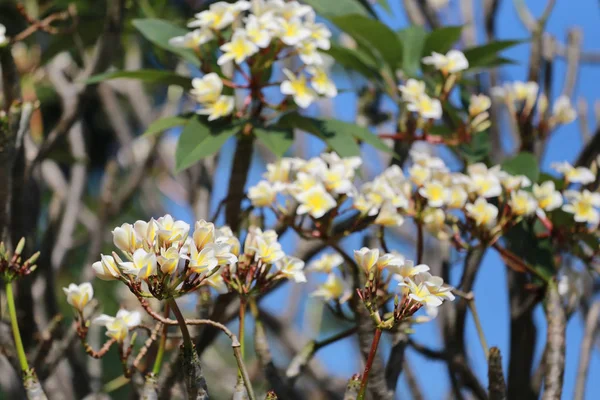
583	205
169	260
548	198
483	182
293	31
298	87
366	258
279	171
204	233
326	263
238	49
207	89
562	111
143	264
292	268
118	327
319	33
412	90
573	174
334	288
408	269
435	222
193	39
78	296
321	82
457	198
337	178
522	203
420	293
482	212
268	252
426	107
221	108
525	91
435	193
479	103
171	230
435	285
204	260
264	193
125	238
106	269
454	61
419	174
260	30
315	201
219	15
389	216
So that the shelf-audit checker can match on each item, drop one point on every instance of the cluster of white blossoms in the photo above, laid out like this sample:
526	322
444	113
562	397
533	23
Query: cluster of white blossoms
583	204
318	185
523	96
245	30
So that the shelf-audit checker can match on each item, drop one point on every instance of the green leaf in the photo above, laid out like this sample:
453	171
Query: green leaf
276	139
477	149
372	34
481	56
146	75
523	163
538	253
199	140
161	125
160	32
335	8
364	135
413	40
442	40
353	60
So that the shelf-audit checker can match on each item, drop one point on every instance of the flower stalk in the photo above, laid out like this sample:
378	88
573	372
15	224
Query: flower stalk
10	300
365	377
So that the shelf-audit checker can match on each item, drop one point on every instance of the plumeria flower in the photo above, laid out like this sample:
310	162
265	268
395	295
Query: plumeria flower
221	108
435	193
334	288
427	160
562	111
292	10
225	236
118	327
297	86
78	296
268	252
435	285
548	198
219	16
583	206
457	198
408	270
171	230
482	212
366	258
319	34
315	201
264	193
292	268
337	178
454	61
391	261
259	30
168	260
479	104
106	269
512	182
419	174
426	107
293	31
412	90
522	203
309	53
326	263
146	232
486	185
332	158
321	82
3	38
204	260
193	39
389	216
573	174
143	264
238	49
204	234
279	171
420	293
125	238
525	91
435	222
207	89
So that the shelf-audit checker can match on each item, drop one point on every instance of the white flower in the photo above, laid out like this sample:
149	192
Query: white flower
221	108
458	197
204	234
435	222
279	171
293	31
366	258
207	89
389	216
522	203
309	53
170	230
269	252
238	49
259	30
297	86
319	34
334	288
168	260
426	107
525	91
316	201
583	206
572	174
225	236
118	327
454	61
106	269
435	285
412	90
391	261
216	282
426	160
435	193
204	260
292	268
420	293
220	15
146	232
264	193
337	178
193	39
486	185
408	270
482	212
78	296
479	104
321	83
125	238
142	266
326	263
3	38
419	174
562	111
292	9
547	196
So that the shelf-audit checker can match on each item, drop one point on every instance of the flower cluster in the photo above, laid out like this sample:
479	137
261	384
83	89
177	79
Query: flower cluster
12	265
259	33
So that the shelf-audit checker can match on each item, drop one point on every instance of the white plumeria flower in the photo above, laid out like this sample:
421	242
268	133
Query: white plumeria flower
522	203
238	49
366	258
297	86
226	249
168	260
268	252
125	238
334	288
321	82
309	53
525	91
583	206
143	264
419	174
327	263
221	108
146	232
389	216
260	30
292	10
78	296
204	234
118	327
412	90
483	213
486	185
454	61
279	171
512	182
426	107
548	198
3	38
293	32
457	198
316	201
219	16
319	34
435	285
106	269
408	269
332	158
264	193
562	111
573	174
436	193
420	293
479	104
193	39
204	260
208	89
292	268
171	230
337	178
426	160
302	183
391	261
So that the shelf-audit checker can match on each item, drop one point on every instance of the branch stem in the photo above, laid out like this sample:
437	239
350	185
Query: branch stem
365	376
160	354
185	333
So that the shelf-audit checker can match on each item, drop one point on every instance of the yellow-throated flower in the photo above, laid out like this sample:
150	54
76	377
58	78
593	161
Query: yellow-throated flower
298	87
118	327
78	296
316	201
583	206
238	49
482	212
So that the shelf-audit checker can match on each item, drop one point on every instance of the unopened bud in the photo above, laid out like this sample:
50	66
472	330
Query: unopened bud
20	246
33	258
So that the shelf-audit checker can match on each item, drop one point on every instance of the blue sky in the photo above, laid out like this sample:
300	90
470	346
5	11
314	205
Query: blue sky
490	289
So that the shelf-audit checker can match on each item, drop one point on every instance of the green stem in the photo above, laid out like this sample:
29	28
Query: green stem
242	325
365	377
10	300
160	354
185	333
